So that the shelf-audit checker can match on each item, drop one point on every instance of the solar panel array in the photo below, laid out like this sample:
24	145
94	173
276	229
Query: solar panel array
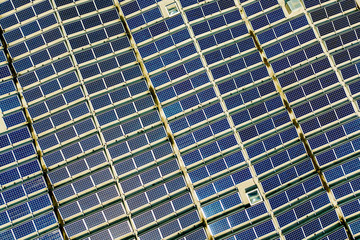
120	120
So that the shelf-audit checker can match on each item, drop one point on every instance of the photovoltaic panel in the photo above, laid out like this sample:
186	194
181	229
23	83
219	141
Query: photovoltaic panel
179	119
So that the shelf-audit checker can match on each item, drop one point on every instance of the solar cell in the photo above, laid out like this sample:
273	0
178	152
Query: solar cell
160	119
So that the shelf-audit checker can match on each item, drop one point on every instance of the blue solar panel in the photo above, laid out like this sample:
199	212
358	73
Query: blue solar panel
156	119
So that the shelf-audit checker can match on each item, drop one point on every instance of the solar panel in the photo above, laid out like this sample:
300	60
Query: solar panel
179	119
